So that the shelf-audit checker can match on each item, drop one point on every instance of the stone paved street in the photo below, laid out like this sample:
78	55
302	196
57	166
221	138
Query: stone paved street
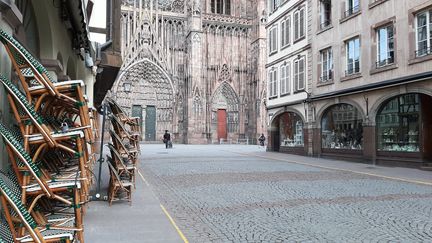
234	194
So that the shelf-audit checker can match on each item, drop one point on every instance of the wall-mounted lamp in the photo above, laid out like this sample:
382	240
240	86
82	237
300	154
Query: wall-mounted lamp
264	17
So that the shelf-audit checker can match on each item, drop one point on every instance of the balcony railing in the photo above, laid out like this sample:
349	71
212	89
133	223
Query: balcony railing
325	24
352	71
352	11
326	76
423	52
384	62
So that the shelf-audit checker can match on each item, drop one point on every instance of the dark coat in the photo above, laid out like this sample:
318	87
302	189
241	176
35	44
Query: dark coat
167	137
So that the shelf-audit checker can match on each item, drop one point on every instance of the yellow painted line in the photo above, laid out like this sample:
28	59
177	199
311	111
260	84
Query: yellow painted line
174	224
339	169
165	211
142	177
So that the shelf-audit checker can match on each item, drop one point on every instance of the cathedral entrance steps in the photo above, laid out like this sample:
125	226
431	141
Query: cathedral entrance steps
151	142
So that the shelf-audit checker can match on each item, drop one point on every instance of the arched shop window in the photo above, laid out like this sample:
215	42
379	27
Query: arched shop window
291	130
399	123
341	128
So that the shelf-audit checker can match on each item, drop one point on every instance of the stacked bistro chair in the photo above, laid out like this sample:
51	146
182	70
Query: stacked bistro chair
22	224
124	150
122	115
40	88
51	150
63	101
37	183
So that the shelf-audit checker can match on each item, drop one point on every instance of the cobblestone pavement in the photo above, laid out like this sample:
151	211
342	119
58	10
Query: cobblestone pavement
217	195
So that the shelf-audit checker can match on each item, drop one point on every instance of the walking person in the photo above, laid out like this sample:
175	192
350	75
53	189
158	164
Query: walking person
261	139
167	139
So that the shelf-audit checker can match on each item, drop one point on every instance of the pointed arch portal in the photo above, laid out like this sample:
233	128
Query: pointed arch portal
152	89
225	111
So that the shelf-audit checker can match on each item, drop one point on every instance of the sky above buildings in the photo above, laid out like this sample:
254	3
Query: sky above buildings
98	19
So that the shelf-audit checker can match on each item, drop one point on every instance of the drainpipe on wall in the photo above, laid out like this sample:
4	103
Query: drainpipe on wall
110	36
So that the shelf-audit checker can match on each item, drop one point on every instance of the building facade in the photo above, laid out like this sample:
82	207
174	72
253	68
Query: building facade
372	81
194	68
289	74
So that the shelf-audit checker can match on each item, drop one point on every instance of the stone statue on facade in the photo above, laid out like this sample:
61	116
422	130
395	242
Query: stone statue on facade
196	7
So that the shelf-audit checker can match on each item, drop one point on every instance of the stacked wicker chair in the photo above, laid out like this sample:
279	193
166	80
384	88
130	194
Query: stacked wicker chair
51	150
124	150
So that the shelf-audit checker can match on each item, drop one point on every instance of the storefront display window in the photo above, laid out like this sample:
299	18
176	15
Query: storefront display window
291	130
398	124
341	128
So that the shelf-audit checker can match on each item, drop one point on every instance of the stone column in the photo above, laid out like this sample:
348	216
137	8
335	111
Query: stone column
369	142
260	77
195	134
316	141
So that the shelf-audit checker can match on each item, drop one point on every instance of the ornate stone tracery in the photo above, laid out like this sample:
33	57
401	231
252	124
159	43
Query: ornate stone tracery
150	86
224	75
197	105
176	6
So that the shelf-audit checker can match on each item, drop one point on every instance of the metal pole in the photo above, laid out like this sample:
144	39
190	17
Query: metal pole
101	158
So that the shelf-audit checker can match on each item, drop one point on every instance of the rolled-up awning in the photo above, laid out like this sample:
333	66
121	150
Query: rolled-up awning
78	18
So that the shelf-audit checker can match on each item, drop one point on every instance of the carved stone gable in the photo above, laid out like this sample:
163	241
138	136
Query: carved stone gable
225	75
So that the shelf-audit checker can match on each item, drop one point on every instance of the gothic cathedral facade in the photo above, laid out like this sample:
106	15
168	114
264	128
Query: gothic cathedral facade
195	68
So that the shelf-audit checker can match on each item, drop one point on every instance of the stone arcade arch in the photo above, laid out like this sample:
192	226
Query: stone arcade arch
152	89
286	132
342	128
403	127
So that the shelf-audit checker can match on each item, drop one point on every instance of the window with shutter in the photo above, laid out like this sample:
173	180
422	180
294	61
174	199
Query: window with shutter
299	74
288	31
288	78
296	75
296	25
285	79
270	84
285	32
302	23
299	24
301	81
275	83
282	79
273	40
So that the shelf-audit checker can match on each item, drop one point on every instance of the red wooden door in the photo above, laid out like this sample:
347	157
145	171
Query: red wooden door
222	124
